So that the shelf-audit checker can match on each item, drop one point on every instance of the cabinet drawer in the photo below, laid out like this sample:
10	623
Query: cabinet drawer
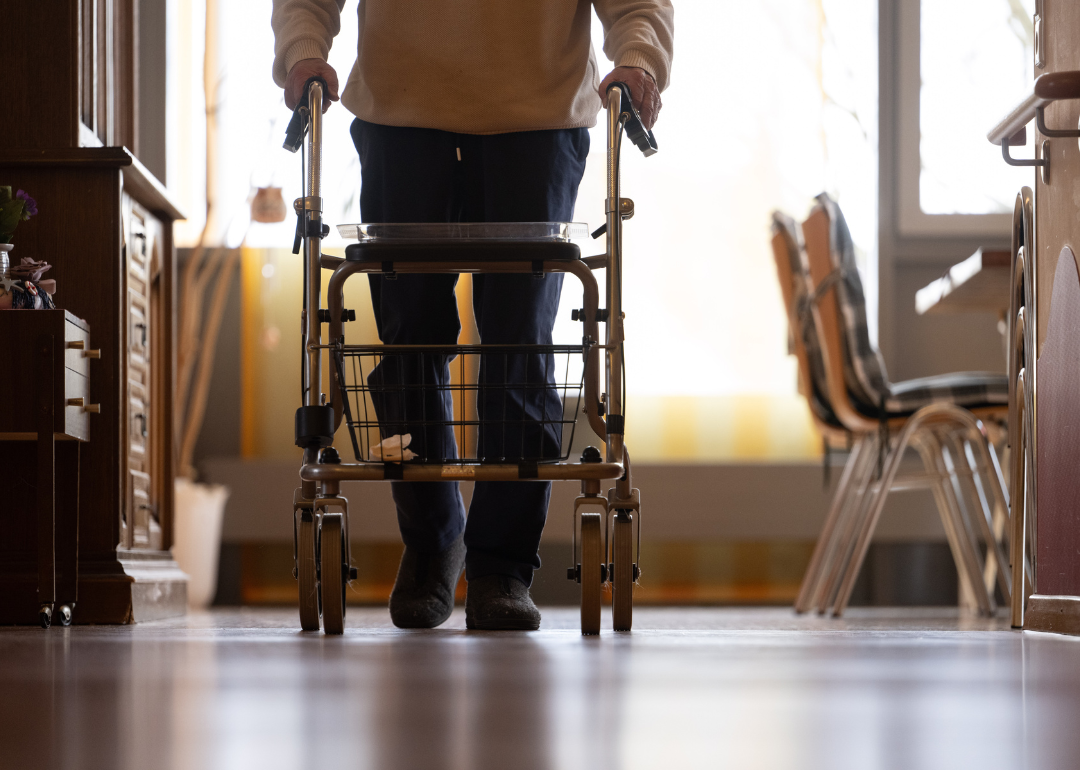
76	420
75	358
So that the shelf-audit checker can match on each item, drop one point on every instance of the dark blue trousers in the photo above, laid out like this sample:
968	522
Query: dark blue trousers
425	175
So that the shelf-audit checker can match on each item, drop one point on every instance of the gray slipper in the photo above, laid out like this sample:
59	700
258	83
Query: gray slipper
423	595
500	603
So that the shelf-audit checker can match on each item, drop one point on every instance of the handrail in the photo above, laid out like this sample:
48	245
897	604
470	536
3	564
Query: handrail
1047	88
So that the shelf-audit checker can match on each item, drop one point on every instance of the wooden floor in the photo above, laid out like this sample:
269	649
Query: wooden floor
690	688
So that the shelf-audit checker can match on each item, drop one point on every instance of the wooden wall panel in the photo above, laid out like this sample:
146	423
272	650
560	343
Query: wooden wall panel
1058	542
1057	239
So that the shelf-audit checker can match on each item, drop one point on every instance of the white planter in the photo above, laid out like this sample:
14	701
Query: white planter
197	537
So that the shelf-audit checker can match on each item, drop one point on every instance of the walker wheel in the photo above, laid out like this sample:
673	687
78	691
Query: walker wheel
307	571
592	557
333	574
45	615
622	577
64	613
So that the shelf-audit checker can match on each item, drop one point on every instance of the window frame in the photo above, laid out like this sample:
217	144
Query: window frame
912	221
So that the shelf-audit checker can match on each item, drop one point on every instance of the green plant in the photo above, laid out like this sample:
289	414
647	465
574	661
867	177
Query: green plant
14	209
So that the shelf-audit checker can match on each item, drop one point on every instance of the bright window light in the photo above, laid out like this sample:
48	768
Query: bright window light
977	63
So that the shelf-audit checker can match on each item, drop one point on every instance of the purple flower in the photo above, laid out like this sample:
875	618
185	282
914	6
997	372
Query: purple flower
29	204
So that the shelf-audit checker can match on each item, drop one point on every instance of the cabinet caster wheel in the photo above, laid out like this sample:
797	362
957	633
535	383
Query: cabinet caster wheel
64	613
45	615
592	583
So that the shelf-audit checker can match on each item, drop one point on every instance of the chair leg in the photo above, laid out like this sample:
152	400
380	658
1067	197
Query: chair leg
847	528
996	571
872	515
968	563
825	546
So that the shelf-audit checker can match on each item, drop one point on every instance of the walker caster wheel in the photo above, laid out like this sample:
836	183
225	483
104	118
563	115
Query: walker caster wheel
307	571
622	572
592	558
333	573
45	615
64	613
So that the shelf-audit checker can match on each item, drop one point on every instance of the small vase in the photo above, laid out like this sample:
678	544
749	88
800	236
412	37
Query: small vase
5	261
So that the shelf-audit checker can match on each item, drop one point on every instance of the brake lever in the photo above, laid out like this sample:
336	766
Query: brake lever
642	137
298	125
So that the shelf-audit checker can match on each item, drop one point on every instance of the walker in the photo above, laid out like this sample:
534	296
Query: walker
603	525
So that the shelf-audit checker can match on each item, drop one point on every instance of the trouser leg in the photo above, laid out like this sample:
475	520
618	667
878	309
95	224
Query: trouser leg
526	177
408	175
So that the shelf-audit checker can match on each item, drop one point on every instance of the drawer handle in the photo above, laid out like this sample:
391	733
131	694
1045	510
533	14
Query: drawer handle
91	354
76	345
142	423
94	408
142	328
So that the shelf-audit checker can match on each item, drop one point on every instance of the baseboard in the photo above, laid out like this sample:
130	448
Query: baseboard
159	588
1054	614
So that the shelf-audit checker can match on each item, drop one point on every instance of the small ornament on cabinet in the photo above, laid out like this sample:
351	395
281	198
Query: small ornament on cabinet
21	287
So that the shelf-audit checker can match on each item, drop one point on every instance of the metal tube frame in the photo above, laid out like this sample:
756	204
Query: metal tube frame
616	465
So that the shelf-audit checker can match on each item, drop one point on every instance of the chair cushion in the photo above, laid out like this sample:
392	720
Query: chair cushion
967	389
864	368
818	398
462	251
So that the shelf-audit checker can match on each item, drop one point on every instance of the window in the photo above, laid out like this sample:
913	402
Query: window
964	65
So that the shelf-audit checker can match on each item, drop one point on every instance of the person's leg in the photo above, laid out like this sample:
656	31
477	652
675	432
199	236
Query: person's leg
409	175
527	177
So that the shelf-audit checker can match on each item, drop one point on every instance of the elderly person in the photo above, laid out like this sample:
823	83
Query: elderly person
473	111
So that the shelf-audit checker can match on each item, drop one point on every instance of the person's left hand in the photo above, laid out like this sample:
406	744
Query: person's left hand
643	92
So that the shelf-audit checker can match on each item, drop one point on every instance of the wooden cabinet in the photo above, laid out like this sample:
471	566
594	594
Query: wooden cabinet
71	128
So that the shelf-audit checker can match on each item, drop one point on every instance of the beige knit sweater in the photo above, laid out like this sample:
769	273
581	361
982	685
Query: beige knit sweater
478	66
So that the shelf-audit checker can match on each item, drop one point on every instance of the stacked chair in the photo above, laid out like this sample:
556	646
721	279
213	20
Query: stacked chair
945	419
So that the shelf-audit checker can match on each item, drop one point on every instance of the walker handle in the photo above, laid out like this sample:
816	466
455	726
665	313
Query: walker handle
635	129
298	125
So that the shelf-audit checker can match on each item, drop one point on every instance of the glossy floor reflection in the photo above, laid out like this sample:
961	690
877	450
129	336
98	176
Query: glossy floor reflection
689	688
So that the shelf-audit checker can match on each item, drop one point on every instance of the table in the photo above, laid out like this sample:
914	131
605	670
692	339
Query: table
981	283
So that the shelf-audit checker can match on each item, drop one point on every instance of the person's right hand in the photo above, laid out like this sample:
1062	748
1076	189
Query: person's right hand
304	70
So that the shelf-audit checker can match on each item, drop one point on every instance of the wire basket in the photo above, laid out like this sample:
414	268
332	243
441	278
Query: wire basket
461	404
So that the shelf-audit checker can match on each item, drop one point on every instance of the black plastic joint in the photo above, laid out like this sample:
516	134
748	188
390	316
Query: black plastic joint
574	573
314	426
346	315
352	573
602	315
615	424
330	456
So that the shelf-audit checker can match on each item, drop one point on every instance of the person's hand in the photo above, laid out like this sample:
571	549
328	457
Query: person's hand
643	92
304	70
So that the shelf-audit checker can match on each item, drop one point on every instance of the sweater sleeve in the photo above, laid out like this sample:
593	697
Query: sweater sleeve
303	29
639	33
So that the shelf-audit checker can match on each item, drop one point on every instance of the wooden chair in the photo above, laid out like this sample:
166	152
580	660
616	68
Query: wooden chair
939	417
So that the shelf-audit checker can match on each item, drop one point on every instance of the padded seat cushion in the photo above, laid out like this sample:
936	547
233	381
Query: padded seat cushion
462	251
967	389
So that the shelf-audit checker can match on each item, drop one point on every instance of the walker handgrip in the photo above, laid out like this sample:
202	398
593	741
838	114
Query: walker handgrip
298	125
635	129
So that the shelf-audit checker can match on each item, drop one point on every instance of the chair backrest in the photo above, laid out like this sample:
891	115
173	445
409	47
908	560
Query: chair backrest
857	383
793	272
